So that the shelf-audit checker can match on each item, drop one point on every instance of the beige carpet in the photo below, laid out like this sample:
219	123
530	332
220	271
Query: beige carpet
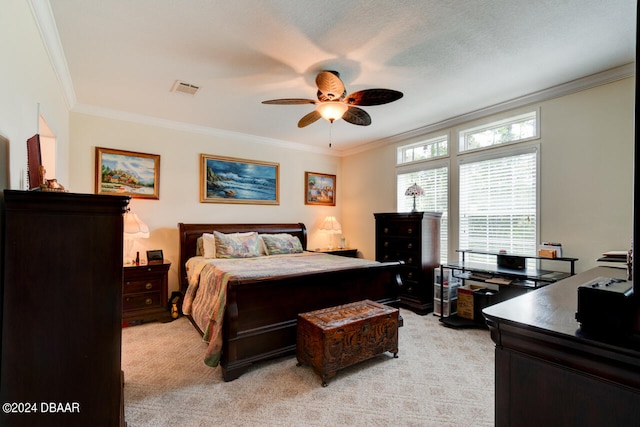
443	377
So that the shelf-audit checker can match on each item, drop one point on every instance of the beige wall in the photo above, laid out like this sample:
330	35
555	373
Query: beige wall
180	176
585	176
29	87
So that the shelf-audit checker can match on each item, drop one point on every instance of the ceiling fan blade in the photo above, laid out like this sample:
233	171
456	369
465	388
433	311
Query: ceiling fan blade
373	97
357	116
290	101
309	118
330	87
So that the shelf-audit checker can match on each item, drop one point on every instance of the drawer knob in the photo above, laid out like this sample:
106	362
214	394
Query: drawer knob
386	244
148	285
148	301
410	260
386	230
410	245
410	230
410	275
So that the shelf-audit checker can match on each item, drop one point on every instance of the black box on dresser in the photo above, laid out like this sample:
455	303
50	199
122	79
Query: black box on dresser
413	238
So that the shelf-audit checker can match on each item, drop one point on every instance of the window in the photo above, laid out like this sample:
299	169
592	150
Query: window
425	150
513	129
488	182
498	201
435	184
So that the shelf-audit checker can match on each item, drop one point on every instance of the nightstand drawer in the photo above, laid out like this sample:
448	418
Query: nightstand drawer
142	285
142	301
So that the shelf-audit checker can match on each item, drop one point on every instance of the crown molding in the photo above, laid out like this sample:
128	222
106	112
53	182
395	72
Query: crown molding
43	16
191	128
578	85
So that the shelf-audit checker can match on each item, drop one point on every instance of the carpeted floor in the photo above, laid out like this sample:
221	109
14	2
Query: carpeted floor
442	377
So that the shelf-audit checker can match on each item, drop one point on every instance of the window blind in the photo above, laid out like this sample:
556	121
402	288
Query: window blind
498	204
435	184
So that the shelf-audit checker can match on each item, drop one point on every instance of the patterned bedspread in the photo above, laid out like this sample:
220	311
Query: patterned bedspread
205	299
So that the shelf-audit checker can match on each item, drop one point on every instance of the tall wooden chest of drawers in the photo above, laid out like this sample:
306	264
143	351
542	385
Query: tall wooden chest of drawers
62	309
415	239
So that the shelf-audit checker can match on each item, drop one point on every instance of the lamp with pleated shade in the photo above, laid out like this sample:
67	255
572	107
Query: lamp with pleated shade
333	227
134	228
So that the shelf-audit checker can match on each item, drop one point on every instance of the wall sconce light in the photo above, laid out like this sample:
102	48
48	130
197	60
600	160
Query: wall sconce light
414	190
134	228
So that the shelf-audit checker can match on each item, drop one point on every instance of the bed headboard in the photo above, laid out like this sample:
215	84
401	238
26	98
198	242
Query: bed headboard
189	233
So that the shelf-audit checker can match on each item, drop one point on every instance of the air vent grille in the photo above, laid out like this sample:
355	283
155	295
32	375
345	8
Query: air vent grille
184	87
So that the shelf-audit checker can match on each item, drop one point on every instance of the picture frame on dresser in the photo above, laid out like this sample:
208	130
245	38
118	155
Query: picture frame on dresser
155	256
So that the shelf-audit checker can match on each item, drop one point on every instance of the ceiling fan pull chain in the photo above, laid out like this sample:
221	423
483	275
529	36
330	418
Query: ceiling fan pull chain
330	133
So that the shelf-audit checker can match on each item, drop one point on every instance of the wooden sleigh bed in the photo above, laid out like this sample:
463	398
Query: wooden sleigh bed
260	317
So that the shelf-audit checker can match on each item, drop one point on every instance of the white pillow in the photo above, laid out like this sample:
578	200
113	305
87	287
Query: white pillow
209	245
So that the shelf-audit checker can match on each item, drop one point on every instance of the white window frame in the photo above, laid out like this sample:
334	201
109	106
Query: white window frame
425	165
495	152
401	151
497	122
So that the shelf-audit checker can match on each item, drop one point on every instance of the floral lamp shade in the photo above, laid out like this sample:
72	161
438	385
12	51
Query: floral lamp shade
414	190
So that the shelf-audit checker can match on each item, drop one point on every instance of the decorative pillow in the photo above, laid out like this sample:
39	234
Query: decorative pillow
237	245
208	245
199	246
278	244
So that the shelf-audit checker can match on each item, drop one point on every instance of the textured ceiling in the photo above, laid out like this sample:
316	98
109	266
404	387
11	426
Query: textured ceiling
449	58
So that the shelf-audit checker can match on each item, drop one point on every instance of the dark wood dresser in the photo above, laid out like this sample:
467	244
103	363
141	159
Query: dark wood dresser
145	293
62	309
551	373
415	239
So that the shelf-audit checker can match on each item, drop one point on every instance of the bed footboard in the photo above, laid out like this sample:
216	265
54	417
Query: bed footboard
261	315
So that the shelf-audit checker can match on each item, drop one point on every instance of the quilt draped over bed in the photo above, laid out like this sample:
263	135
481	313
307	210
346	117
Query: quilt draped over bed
205	299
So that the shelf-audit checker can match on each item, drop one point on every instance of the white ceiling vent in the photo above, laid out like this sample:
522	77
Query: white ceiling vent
184	87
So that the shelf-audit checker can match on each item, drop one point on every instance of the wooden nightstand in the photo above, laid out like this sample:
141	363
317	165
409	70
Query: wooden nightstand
144	293
348	252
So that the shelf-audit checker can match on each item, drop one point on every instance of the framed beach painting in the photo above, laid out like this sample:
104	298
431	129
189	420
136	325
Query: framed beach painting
231	180
127	173
320	189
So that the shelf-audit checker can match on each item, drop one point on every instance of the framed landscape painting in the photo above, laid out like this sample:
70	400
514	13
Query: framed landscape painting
127	173
320	189
231	180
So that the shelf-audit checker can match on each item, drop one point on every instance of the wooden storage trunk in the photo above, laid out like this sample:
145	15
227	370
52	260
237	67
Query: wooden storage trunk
334	338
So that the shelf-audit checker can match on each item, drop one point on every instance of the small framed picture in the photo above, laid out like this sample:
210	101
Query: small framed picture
155	257
320	189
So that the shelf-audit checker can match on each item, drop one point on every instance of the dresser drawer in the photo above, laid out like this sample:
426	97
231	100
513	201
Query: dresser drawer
142	285
409	274
142	301
401	244
400	228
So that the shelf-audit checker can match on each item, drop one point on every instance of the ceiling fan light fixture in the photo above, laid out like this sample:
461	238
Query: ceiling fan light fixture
332	110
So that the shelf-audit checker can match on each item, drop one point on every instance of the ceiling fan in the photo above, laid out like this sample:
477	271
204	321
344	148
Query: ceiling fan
333	102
